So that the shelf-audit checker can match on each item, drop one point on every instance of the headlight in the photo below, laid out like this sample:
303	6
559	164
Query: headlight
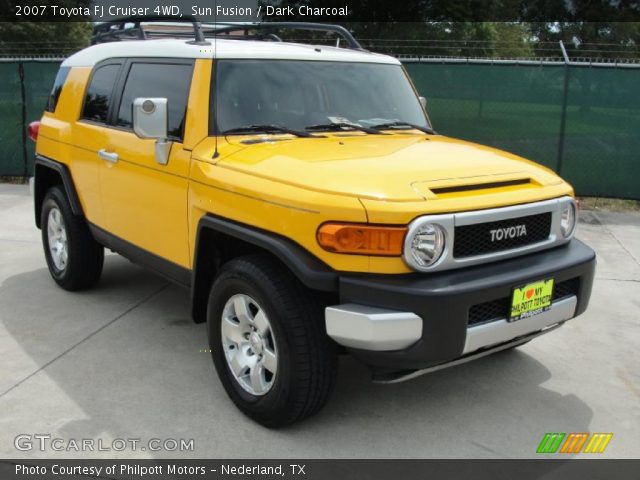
568	219
425	245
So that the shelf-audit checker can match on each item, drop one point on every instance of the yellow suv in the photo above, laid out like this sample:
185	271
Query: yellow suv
302	196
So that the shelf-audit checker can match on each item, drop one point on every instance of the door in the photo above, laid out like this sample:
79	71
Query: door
91	133
145	203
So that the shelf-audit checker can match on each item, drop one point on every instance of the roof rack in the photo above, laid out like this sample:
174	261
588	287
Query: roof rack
117	30
130	28
271	26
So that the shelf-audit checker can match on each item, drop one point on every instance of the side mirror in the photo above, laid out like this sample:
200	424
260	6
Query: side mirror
150	121
423	102
150	117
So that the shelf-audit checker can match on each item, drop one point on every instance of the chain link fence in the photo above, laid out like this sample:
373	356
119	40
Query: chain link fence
579	119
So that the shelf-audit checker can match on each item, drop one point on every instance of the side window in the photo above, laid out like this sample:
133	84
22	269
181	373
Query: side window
164	80
98	97
61	77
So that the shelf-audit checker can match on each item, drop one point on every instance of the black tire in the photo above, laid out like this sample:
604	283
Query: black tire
85	256
307	358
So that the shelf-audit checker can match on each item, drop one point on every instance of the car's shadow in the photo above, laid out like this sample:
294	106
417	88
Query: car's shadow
136	366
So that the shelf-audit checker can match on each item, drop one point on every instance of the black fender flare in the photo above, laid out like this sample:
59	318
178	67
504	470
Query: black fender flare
39	190
310	270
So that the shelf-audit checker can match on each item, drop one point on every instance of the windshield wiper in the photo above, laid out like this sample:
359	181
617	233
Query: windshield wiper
267	128
400	125
344	125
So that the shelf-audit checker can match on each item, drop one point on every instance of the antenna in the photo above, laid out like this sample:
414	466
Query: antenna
214	72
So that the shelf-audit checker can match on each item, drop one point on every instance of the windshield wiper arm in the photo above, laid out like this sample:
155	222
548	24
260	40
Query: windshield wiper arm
400	124
267	128
343	125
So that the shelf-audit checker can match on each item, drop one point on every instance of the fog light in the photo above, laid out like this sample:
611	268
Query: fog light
425	246
568	219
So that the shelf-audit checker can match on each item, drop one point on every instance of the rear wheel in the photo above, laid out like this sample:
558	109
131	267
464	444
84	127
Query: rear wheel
268	342
74	258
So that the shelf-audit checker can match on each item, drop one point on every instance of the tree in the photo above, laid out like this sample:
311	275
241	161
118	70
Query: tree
588	28
513	40
472	28
589	39
43	38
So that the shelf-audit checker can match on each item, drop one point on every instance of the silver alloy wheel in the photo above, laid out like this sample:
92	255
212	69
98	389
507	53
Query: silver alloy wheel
57	238
249	344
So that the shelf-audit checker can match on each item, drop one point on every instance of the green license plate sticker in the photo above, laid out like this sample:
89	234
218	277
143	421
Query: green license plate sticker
531	299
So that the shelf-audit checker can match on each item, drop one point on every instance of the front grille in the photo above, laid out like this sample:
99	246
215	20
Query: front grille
498	309
488	311
566	289
472	240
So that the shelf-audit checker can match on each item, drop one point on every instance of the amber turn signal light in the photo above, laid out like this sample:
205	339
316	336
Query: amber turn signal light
361	239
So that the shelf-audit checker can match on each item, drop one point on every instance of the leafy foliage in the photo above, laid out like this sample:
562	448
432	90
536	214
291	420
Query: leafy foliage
43	38
489	28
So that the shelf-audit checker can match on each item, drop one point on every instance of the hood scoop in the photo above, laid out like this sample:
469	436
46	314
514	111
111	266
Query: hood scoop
255	141
449	188
479	186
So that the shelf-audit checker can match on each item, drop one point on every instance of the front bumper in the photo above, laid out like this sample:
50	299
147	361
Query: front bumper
418	321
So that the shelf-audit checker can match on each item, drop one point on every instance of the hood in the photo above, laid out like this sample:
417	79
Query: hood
397	167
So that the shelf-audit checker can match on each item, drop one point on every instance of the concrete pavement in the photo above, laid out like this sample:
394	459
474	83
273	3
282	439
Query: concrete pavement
125	361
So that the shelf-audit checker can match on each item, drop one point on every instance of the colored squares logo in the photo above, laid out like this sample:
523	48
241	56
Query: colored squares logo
574	442
598	442
550	442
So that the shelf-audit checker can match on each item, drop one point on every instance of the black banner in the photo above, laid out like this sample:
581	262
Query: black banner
548	469
323	10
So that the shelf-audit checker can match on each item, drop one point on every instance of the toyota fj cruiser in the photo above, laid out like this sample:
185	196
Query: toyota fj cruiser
301	194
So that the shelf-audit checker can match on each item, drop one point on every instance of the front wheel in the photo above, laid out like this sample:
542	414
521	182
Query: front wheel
269	346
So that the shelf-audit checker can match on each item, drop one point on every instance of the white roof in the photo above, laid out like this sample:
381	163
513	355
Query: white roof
179	48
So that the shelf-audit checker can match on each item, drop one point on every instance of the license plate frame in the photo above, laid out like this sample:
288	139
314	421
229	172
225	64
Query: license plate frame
531	299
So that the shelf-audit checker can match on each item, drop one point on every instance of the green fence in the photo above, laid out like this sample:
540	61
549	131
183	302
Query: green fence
581	121
24	89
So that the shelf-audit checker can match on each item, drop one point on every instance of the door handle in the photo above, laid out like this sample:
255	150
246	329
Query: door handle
108	156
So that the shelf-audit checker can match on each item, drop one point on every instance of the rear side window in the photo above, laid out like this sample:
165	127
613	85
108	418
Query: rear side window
61	77
99	93
164	80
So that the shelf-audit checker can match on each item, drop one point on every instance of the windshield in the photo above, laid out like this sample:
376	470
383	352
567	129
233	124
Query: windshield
301	94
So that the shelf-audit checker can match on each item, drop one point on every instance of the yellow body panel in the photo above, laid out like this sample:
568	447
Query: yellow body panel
289	211
198	112
279	183
390	176
146	203
58	139
381	167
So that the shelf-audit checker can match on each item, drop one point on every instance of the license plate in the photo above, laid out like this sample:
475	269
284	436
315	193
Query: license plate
531	299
